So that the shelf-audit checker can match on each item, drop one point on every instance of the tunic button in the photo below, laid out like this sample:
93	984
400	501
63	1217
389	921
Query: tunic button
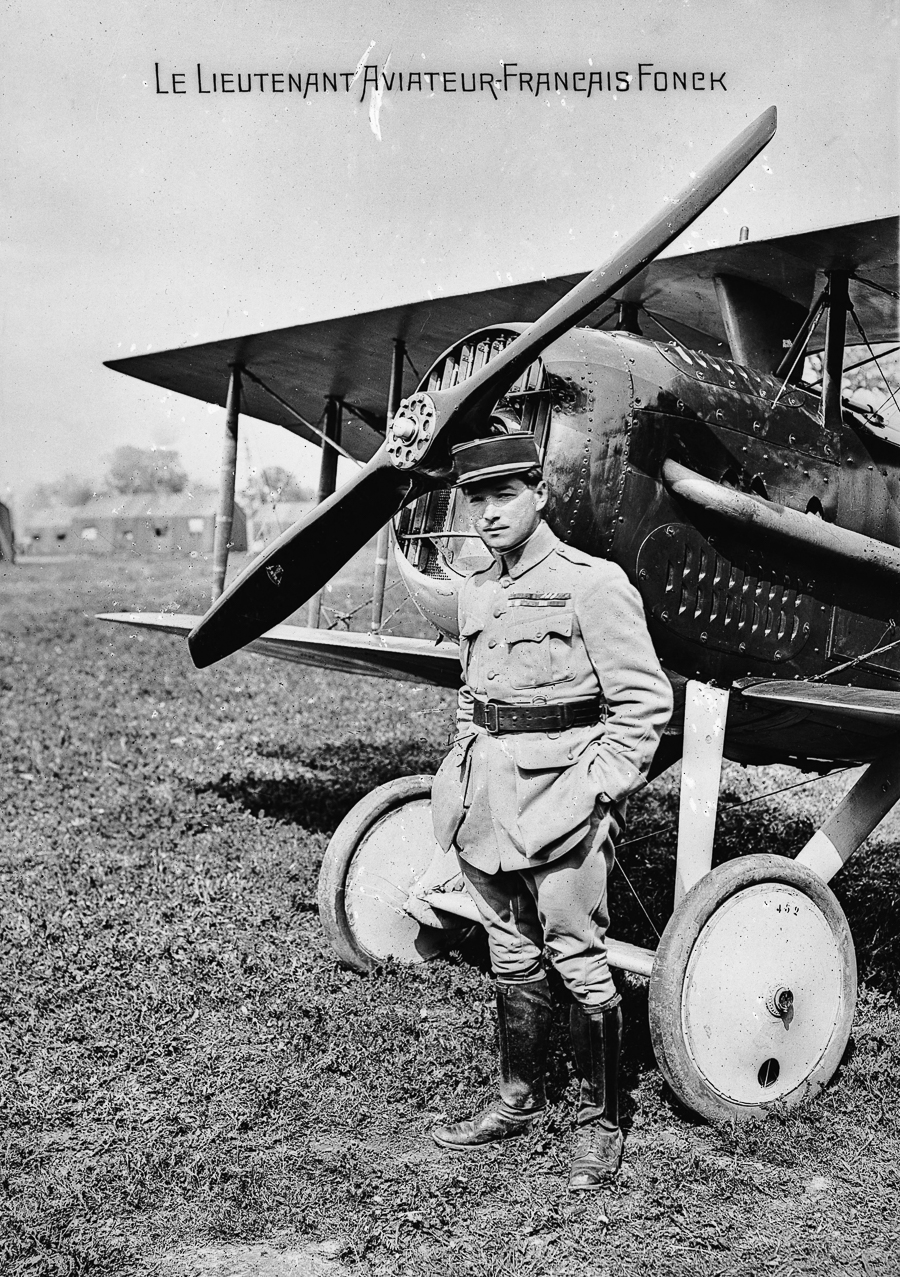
505	582
492	642
498	611
492	674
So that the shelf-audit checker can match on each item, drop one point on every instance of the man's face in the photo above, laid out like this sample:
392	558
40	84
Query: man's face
505	511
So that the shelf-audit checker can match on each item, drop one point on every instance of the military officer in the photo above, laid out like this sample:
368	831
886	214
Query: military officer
561	709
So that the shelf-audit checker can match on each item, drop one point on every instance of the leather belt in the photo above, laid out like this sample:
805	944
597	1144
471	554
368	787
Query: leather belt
497	718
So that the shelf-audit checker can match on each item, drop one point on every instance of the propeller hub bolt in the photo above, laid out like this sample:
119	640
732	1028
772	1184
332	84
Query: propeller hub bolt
405	431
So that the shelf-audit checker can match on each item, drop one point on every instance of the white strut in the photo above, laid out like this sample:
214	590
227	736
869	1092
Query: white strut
854	818
705	711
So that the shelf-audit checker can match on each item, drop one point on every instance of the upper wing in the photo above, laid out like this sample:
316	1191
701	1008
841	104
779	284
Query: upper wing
349	357
405	659
682	290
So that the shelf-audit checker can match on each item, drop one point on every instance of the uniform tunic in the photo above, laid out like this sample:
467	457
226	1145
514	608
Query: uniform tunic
533	815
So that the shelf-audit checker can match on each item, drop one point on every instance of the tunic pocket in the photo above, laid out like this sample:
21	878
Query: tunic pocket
449	792
540	642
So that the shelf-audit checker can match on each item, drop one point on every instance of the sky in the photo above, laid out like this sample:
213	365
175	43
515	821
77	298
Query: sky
137	219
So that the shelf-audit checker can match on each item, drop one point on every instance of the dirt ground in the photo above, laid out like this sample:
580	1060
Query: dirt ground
190	1082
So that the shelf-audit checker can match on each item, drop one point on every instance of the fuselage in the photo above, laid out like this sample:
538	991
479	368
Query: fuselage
608	410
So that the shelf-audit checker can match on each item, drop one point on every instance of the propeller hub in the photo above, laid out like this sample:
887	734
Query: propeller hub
410	433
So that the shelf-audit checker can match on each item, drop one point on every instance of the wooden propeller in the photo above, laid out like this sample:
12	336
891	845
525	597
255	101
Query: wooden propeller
415	456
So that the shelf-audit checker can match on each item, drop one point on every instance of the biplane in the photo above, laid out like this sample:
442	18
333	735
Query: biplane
758	514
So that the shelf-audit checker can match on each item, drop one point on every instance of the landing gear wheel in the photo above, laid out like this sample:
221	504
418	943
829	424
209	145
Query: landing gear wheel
380	848
753	989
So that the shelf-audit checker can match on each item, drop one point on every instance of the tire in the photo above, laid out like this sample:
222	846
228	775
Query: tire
753	989
380	848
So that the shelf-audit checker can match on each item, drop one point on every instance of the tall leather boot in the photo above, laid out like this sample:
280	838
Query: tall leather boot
524	1014
597	1043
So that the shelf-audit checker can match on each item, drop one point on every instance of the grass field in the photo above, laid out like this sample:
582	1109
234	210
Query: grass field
184	1065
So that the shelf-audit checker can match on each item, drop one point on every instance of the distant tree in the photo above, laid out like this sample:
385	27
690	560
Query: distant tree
874	387
145	470
280	485
75	490
41	496
881	375
70	490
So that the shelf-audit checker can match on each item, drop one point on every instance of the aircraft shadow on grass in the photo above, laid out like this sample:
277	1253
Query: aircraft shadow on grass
328	780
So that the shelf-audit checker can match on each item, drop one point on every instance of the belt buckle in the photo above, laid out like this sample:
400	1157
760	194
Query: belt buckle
492	718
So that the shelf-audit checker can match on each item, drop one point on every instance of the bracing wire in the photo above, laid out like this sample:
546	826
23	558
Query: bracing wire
341	618
332	443
815	316
673	824
745	802
408	358
876	651
861	364
892	394
641	904
656	319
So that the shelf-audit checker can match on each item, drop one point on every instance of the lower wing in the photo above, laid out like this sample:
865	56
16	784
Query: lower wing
855	708
380	656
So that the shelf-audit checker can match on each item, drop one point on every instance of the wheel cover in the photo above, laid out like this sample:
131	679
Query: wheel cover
390	857
768	947
753	989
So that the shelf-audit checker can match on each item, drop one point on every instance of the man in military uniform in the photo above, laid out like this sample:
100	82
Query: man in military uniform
561	709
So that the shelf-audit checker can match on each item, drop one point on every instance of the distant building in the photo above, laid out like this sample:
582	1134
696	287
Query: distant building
268	521
145	523
7	539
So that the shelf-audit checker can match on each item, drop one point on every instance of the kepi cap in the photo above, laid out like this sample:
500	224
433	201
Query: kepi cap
493	457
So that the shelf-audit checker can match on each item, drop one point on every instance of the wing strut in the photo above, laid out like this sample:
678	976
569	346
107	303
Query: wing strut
334	412
851	822
395	395
798	346
225	512
833	362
